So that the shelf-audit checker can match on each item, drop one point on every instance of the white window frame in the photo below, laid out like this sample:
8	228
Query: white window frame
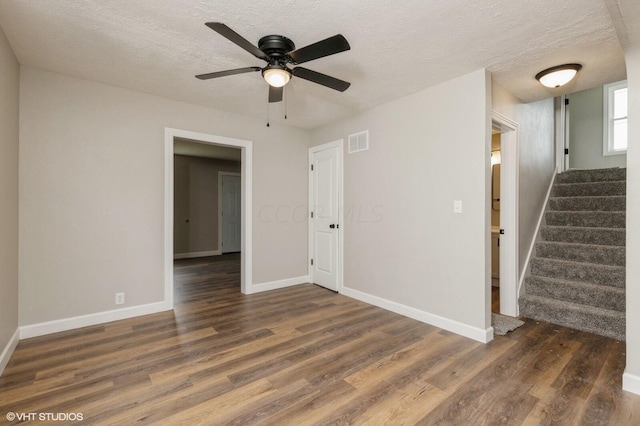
607	140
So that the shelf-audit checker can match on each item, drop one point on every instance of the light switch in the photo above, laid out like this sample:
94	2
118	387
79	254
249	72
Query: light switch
457	206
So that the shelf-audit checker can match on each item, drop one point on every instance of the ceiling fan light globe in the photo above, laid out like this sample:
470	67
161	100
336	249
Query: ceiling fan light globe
276	77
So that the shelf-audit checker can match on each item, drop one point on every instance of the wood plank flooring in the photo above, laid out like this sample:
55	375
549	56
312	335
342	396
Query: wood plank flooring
308	356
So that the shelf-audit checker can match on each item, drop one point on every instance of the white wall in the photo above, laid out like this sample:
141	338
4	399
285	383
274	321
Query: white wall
585	132
403	244
92	193
632	376
9	98
626	18
536	161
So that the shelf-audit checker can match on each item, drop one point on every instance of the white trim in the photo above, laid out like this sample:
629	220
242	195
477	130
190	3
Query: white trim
197	254
220	174
478	334
509	205
607	119
8	350
560	111
340	145
631	383
273	285
65	324
246	182
534	240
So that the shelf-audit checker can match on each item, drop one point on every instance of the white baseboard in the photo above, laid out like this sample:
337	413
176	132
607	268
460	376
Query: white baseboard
8	350
478	334
197	254
631	383
43	328
273	285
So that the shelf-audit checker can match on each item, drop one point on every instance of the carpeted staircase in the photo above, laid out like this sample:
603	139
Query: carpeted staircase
577	275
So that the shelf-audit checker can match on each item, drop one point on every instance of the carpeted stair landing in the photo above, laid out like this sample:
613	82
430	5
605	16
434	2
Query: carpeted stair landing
577	275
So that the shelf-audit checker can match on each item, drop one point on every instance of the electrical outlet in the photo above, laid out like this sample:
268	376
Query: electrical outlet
119	298
457	206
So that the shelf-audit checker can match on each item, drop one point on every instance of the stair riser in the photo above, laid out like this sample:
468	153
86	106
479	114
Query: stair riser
602	255
617	203
605	237
603	325
592	175
587	219
589	189
595	274
601	296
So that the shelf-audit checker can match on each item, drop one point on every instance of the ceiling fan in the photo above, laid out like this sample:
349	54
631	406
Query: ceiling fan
278	52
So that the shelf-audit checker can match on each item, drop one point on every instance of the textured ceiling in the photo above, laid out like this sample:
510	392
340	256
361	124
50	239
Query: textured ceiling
397	48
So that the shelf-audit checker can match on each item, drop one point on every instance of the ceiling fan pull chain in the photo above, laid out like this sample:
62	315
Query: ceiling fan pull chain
285	103
268	109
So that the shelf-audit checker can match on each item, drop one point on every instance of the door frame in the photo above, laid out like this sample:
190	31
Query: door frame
246	183
509	202
340	257
561	112
220	174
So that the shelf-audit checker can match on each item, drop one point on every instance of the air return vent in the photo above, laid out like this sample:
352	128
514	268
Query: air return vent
359	142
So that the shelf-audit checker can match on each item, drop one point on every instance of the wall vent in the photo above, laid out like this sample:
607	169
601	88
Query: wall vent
359	142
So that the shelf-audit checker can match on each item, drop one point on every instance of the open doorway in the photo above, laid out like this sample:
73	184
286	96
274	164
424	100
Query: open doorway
205	143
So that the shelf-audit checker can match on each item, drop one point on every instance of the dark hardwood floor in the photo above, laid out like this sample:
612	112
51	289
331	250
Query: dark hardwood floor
305	356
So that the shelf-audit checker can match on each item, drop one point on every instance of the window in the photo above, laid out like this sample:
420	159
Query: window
615	118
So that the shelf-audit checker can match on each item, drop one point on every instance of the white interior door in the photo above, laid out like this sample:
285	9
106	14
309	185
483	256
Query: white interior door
509	273
231	212
324	222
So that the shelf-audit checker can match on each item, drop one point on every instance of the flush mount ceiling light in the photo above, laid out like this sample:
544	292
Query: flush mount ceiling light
276	76
558	76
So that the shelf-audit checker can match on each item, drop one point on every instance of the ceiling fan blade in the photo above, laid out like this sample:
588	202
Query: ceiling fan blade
275	94
227	72
320	78
326	47
236	38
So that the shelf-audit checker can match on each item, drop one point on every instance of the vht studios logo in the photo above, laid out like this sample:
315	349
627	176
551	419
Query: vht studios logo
45	417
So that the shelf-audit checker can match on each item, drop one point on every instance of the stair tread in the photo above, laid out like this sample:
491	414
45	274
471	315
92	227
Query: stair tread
564	304
590	211
596	182
578	264
586	228
581	245
560	281
602	197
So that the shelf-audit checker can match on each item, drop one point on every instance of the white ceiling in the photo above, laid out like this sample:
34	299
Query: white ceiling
397	48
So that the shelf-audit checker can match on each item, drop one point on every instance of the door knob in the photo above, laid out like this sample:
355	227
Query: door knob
332	226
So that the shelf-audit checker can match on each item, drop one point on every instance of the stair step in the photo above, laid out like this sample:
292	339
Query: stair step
576	234
596	175
599	296
590	219
581	189
591	253
605	322
577	271
599	203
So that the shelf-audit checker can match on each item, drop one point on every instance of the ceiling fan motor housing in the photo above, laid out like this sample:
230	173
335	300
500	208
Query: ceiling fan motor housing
276	46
